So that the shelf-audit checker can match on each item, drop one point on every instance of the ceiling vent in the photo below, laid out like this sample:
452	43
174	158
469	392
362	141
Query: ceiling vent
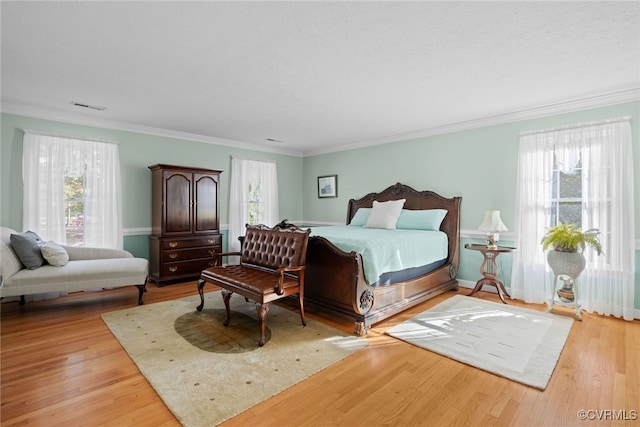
93	107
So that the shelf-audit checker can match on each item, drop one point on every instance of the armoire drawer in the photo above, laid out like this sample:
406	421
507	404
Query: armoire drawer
185	268
187	254
190	242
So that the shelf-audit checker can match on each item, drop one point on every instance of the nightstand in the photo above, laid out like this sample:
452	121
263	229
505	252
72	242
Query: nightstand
489	268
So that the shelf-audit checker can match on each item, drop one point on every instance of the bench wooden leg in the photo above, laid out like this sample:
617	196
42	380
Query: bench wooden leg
201	293
262	310
301	299
226	296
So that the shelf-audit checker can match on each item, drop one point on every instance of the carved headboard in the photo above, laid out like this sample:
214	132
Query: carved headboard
418	200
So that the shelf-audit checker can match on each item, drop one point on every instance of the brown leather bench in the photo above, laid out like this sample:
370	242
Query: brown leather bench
272	265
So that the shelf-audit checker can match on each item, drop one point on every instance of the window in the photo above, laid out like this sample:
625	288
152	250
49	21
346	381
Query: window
566	196
72	190
253	197
256	208
581	174
74	186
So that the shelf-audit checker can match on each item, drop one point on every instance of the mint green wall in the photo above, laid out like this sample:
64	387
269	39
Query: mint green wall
137	245
480	165
137	152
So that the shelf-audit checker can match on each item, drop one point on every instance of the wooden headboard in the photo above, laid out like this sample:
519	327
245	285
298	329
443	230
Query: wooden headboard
418	200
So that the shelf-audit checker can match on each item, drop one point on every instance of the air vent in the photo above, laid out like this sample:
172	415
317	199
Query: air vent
93	107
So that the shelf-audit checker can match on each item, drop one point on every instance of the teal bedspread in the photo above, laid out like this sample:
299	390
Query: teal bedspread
387	250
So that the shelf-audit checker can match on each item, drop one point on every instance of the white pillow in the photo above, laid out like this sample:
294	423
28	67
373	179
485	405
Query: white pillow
385	214
54	254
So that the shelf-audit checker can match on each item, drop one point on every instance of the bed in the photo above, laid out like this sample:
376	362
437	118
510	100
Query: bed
335	279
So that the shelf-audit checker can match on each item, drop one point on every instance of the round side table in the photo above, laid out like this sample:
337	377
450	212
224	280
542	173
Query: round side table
489	268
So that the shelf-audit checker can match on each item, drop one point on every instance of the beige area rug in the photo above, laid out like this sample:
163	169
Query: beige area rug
206	373
516	343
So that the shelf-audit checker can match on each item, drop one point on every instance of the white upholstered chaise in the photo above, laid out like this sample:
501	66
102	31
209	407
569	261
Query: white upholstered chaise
87	268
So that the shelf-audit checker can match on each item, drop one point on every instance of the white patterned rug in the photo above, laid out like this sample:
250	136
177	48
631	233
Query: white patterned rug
207	373
516	343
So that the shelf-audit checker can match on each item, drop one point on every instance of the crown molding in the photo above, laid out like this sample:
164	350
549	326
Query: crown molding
580	104
83	120
628	95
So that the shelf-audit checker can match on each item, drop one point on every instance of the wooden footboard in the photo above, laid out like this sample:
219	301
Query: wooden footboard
335	282
335	279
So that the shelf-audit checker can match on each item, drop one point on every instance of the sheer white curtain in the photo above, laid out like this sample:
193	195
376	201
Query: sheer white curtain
43	164
245	174
607	283
103	206
530	279
46	158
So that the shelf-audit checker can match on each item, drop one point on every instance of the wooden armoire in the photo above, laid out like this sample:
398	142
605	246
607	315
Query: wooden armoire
185	230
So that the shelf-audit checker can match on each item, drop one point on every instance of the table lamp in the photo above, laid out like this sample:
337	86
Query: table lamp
493	225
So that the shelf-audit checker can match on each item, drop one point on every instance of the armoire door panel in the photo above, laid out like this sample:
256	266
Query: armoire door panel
177	203
206	208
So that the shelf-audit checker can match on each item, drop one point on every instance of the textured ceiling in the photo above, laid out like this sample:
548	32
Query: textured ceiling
317	76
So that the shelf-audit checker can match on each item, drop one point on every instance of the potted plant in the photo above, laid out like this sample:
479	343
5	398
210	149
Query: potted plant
565	257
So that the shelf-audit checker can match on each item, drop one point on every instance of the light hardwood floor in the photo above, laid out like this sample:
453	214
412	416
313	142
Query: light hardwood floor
62	367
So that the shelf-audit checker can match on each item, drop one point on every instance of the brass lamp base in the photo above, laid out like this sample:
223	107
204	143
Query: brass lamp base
491	241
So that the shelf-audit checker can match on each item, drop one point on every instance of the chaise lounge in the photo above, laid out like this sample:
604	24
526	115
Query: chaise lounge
81	269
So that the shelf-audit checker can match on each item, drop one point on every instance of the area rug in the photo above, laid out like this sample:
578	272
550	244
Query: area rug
207	373
516	343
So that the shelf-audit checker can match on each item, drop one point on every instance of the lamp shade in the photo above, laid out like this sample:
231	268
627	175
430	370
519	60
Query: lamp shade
492	222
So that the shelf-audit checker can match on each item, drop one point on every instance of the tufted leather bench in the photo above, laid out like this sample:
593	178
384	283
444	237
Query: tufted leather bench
272	265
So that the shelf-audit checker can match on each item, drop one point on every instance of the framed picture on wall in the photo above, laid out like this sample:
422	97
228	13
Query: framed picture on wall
328	186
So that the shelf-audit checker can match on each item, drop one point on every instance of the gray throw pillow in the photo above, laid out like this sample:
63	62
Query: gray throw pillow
27	246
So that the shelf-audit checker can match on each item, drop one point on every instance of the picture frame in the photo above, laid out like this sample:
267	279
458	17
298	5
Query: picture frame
327	186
